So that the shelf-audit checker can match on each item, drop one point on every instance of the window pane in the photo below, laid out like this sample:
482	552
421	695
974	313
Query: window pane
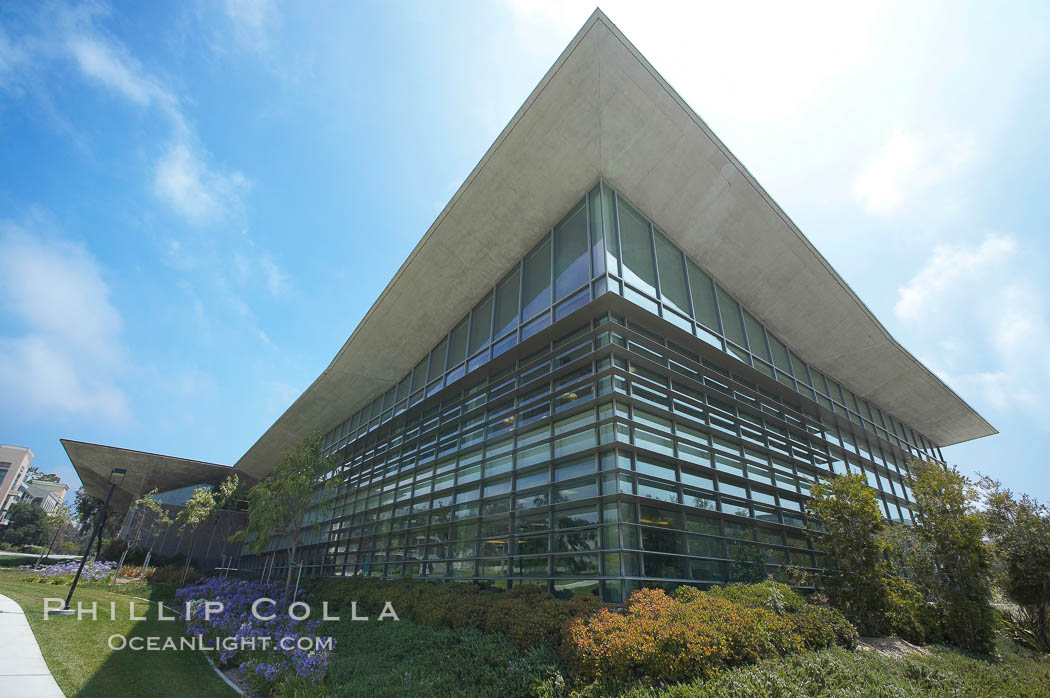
612	245
536	284
507	303
734	327
480	324
637	249
457	345
419	375
437	359
703	297
799	367
594	211
780	355
756	336
672	273
570	254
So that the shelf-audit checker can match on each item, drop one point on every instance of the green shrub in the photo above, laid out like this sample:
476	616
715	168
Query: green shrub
526	614
770	595
907	613
821	626
112	549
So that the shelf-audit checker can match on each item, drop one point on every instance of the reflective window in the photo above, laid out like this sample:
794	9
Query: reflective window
480	324
638	266
507	303
756	335
594	214
536	282
457	345
703	297
437	359
731	321
672	274
571	269
612	244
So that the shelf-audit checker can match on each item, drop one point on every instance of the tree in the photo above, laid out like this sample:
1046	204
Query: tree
85	511
288	502
200	507
949	522
34	473
855	574
85	508
148	506
59	525
27	524
1019	531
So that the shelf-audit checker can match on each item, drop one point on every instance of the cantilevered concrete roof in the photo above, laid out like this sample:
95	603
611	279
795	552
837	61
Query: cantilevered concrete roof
603	111
145	471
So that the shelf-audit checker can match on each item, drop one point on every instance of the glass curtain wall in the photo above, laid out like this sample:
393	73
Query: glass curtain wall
604	456
605	245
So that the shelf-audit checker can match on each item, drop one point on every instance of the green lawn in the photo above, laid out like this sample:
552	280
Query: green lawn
78	654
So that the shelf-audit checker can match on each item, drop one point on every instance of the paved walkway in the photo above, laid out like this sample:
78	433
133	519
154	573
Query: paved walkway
23	672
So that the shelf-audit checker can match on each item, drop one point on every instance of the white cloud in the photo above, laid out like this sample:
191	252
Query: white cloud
248	267
251	20
908	165
197	192
984	323
99	60
69	350
181	179
947	267
11	56
276	280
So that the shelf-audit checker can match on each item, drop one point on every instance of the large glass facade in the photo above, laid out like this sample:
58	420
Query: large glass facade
606	415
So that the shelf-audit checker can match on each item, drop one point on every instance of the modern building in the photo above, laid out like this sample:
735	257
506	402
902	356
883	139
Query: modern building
611	360
46	494
14	464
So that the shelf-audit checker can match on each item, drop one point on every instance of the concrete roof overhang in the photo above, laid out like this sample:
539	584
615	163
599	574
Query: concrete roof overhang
603	111
146	471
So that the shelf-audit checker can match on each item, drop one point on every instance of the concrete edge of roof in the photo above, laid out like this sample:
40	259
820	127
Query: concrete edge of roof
760	190
598	17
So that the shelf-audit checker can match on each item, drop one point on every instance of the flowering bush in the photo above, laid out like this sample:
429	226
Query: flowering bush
691	634
63	573
270	665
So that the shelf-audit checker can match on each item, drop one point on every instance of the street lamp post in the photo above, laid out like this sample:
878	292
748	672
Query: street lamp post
115	478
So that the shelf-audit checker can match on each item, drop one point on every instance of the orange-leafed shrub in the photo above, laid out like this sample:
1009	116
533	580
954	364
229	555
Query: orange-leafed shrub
688	635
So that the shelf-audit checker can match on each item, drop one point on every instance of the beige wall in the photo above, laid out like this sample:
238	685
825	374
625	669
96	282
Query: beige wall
19	459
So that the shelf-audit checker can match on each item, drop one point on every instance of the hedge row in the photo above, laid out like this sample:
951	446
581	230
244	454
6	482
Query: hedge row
526	614
686	635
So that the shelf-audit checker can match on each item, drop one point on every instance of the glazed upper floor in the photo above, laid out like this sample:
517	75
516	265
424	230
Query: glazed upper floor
605	245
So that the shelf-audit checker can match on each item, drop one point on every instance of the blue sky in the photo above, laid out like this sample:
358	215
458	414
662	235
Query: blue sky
199	201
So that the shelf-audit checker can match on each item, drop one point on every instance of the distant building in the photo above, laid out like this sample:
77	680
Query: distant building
14	464
46	494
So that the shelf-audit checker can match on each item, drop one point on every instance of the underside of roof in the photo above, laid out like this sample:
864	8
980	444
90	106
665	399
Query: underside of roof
145	471
603	111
